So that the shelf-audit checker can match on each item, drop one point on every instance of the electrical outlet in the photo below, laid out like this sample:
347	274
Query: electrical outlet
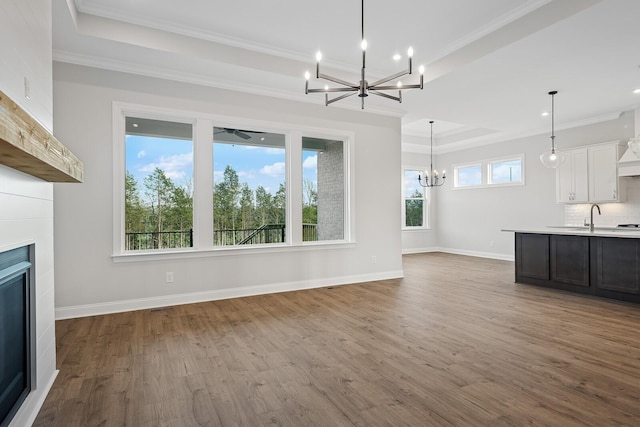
169	277
374	259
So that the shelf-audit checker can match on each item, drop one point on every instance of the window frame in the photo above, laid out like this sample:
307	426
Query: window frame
203	125
486	170
426	202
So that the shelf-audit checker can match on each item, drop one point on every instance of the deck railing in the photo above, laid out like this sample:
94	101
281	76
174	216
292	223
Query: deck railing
158	239
268	233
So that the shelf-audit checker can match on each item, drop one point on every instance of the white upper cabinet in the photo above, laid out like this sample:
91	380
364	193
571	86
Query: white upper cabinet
572	178
603	173
590	175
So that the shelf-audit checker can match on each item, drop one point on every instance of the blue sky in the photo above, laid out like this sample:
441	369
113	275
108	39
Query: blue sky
254	165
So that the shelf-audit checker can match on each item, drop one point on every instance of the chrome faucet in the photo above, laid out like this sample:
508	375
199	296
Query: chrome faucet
591	227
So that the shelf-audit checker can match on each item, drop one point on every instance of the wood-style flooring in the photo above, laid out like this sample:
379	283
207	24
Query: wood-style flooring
454	343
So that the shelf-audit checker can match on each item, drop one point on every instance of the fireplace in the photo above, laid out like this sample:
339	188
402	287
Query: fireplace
17	330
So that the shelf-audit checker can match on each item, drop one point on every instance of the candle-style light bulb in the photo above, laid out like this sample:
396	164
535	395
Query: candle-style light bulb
421	69
318	56
363	44
410	52
307	75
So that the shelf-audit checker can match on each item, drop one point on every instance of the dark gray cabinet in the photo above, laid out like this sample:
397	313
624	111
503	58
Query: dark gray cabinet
600	266
532	256
569	259
617	265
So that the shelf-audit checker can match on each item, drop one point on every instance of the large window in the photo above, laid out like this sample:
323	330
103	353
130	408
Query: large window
188	183
323	189
158	184
250	192
414	207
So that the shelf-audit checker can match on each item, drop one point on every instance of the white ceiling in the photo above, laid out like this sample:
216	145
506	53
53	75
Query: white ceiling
490	63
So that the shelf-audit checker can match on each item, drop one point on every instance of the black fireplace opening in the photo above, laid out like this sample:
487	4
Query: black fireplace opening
17	332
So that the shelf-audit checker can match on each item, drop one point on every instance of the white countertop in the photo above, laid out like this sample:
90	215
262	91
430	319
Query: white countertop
632	233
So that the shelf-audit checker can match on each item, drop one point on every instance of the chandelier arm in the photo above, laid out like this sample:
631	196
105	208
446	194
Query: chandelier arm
333	89
392	77
338	98
386	95
394	87
337	80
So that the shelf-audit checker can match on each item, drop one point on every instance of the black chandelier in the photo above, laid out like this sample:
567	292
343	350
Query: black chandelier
435	179
363	88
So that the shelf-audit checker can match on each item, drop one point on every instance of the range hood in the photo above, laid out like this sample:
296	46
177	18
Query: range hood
629	163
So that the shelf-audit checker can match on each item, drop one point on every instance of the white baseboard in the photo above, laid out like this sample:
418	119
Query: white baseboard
213	295
478	254
27	414
419	250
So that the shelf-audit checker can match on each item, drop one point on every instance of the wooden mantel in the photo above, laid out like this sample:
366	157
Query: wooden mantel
29	147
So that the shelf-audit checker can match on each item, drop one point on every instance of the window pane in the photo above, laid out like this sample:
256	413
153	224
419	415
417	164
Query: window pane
323	183
158	184
468	175
412	187
249	196
413	212
506	171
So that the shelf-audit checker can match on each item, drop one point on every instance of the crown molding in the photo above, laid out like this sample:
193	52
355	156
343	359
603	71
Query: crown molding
505	136
491	27
204	80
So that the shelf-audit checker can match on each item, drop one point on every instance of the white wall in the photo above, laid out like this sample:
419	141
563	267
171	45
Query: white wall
26	203
470	220
87	279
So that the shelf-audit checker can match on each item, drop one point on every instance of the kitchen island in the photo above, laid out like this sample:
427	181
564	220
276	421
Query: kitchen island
604	262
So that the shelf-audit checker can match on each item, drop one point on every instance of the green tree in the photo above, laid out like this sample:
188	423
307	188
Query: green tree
264	205
279	205
159	190
246	206
309	202
414	209
134	210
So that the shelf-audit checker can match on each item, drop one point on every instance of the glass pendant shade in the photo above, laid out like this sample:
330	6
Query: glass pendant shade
552	158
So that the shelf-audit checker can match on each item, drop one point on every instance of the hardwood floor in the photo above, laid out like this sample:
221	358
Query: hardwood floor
455	342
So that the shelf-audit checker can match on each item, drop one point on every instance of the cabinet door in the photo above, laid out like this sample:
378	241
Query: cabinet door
603	174
618	265
570	259
580	164
564	181
532	256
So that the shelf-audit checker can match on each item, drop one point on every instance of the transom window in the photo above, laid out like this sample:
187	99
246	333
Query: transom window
490	173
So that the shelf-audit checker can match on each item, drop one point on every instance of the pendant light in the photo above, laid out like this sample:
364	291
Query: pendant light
435	179
553	158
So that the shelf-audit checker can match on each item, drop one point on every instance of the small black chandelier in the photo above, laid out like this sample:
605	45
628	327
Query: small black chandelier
363	88
434	179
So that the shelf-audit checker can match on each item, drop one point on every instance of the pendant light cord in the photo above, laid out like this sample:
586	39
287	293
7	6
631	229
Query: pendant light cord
431	164
553	134
362	16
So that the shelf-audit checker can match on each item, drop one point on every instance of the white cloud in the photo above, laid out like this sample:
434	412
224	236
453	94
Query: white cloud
172	166
310	162
275	170
141	154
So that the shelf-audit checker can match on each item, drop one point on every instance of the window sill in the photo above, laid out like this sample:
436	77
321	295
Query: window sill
143	256
415	229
